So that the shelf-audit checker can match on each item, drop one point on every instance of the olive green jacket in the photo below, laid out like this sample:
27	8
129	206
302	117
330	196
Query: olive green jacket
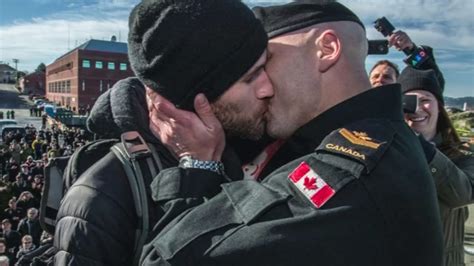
454	179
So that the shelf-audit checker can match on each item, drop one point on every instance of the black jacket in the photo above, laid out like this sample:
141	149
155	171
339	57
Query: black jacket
32	228
96	222
369	200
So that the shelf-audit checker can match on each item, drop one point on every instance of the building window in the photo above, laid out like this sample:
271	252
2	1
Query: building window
123	66
111	65
98	64
86	63
63	86
68	86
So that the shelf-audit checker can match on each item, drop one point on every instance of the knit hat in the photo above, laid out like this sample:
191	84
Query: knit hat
180	48
417	79
281	19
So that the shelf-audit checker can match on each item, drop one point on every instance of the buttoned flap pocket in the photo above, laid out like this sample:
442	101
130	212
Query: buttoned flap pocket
250	199
241	203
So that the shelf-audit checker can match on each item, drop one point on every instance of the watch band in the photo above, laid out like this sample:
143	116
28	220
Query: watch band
214	166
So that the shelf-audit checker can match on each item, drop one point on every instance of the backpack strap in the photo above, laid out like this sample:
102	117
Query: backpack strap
52	193
138	159
83	158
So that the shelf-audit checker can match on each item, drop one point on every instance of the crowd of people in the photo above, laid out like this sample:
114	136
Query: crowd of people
22	161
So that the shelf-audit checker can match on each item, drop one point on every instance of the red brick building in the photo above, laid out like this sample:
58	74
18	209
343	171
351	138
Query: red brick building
33	84
77	78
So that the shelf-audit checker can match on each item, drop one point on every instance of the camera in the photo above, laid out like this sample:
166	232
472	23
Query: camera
384	26
409	103
378	47
415	57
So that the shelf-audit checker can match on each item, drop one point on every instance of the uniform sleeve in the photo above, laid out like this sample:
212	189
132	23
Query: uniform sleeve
176	189
178	183
453	180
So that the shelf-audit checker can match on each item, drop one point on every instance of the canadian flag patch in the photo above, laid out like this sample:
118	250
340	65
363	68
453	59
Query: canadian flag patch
311	185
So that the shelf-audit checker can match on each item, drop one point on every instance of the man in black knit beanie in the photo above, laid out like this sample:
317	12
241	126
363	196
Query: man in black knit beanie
188	52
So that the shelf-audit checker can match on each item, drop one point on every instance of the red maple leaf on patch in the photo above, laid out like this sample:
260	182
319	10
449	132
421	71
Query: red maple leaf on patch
310	183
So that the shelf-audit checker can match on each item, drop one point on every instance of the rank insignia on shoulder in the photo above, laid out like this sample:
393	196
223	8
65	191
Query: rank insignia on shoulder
359	138
313	187
363	141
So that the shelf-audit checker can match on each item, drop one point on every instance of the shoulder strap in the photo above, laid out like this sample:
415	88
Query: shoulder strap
53	192
364	142
138	159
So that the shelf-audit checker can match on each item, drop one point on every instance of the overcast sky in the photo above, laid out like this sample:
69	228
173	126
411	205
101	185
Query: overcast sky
36	31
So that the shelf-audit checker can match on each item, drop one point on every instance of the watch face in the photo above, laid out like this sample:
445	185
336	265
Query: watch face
186	162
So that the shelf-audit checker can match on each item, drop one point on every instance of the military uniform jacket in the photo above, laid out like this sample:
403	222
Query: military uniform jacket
364	196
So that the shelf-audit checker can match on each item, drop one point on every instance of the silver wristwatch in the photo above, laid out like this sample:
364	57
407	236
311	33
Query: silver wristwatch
214	166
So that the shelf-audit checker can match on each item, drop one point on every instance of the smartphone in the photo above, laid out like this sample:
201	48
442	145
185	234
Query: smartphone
416	58
410	103
378	47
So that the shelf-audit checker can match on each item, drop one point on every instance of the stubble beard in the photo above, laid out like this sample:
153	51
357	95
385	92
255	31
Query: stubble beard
237	124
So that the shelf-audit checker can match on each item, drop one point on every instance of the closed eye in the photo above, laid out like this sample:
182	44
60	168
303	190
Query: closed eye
254	75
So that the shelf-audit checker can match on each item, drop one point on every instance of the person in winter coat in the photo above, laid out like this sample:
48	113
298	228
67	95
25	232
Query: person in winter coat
30	226
451	161
26	247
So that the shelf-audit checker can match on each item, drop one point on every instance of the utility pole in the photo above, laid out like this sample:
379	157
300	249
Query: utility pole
16	68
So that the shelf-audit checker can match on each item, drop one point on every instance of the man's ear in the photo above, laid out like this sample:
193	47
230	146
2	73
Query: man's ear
329	49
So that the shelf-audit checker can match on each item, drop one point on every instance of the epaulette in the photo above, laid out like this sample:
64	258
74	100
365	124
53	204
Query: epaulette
363	142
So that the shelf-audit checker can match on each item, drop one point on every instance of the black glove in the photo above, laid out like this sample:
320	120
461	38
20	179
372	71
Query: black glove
428	148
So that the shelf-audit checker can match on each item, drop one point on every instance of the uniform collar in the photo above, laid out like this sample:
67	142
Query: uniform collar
385	102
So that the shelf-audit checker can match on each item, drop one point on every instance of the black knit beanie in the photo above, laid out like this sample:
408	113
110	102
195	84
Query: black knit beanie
417	79
180	48
281	19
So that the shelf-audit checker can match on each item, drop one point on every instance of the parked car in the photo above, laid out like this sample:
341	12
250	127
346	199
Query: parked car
12	128
7	122
49	109
35	96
